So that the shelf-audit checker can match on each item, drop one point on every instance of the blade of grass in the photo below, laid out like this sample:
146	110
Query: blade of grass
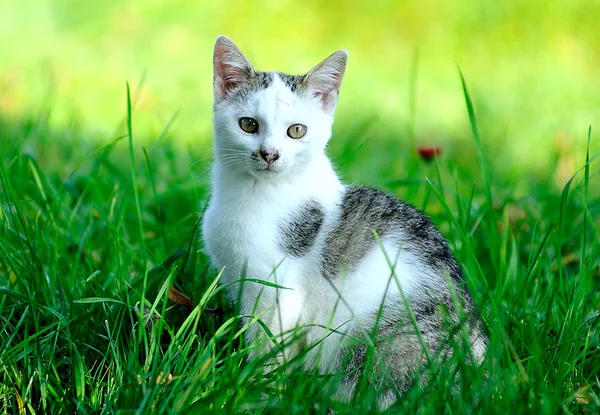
133	176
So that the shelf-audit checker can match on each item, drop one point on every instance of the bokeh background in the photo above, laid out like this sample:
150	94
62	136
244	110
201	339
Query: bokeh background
533	68
84	212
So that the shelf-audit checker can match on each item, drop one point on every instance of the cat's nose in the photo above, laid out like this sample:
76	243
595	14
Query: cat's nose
269	156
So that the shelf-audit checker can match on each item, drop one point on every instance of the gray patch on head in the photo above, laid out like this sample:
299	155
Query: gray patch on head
363	210
254	82
299	231
295	83
258	81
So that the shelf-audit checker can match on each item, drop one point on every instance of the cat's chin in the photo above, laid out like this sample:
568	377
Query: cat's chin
265	174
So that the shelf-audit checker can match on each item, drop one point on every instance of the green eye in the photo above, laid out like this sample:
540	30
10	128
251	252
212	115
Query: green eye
296	131
249	125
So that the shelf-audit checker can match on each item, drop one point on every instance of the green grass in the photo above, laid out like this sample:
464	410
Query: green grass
87	326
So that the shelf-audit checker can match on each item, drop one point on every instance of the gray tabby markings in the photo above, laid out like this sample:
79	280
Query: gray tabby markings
253	82
298	232
257	81
364	209
396	344
293	82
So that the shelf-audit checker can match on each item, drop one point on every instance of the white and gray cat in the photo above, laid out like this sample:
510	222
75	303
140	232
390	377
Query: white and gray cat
279	213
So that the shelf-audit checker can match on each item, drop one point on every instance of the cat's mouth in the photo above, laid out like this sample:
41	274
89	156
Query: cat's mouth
269	170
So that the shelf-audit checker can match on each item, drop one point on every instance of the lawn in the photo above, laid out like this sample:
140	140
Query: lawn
101	189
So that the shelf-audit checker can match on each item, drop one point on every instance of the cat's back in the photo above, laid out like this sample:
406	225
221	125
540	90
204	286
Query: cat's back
366	214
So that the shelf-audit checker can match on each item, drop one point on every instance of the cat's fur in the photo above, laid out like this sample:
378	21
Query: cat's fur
295	225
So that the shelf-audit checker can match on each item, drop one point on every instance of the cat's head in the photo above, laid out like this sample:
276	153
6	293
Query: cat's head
268	124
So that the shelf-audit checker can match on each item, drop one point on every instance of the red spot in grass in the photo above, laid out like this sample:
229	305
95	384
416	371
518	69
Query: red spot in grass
427	153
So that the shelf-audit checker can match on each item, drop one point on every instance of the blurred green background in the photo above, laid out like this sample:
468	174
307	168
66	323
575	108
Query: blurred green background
532	66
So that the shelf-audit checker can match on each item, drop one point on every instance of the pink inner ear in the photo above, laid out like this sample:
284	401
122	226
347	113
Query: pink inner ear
232	77
230	69
329	99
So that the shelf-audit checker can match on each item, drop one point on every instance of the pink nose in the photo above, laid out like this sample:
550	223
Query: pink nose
269	157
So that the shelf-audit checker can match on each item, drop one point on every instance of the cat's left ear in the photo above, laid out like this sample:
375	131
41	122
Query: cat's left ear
325	79
230	67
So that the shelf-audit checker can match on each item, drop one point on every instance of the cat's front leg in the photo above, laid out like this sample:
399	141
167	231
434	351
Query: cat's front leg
279	337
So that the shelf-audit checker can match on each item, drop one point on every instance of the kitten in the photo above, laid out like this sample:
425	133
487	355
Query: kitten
278	213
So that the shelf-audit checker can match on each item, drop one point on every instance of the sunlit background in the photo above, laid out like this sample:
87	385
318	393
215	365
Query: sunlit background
533	68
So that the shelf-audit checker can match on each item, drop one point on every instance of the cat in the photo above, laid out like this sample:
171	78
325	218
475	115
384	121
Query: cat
338	260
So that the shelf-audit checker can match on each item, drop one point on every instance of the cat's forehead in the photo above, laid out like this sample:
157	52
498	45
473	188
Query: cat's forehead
284	86
295	83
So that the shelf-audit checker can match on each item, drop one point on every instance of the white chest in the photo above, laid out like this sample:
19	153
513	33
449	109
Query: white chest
241	234
242	226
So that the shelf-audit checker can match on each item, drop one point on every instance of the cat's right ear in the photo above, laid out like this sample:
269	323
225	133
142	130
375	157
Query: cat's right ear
230	67
325	79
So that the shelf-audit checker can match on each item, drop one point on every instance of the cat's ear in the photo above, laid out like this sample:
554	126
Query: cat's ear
325	79
230	67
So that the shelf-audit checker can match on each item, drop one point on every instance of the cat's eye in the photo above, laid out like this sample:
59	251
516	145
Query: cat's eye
249	125
296	131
